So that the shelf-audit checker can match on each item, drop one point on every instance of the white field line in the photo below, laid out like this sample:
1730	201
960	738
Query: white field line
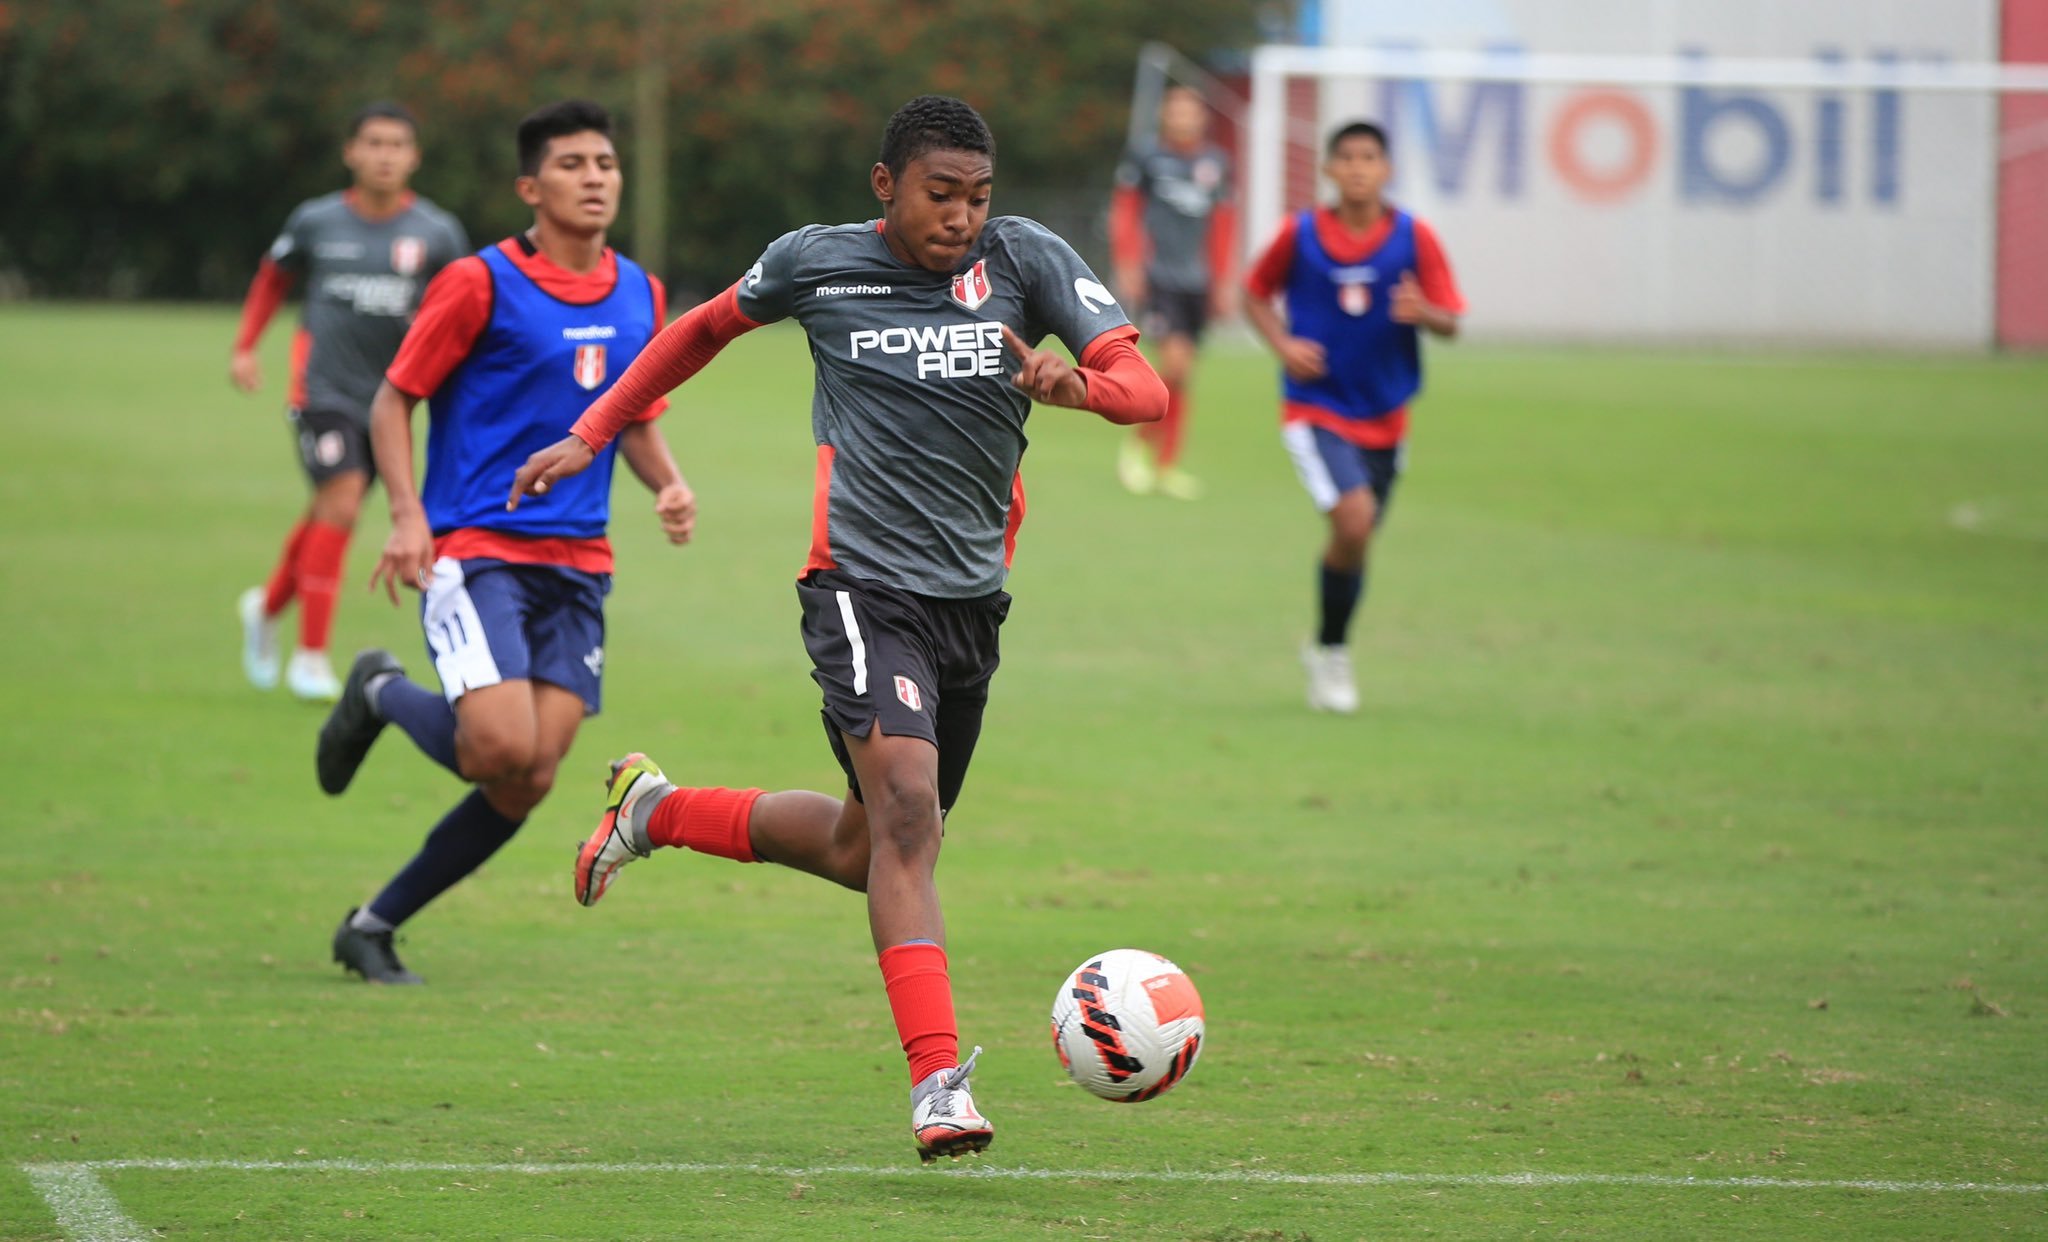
85	1209
1243	1177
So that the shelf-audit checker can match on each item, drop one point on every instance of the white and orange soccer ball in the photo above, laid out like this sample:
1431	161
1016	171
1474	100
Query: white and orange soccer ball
1127	1025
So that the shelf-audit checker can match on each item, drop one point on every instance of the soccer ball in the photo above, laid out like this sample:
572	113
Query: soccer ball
1127	1025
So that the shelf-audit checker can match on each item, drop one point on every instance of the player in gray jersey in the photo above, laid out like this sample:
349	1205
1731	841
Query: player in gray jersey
1172	234
923	328
365	255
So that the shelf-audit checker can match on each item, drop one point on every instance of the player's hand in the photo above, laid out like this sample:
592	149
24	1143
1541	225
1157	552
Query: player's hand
1045	375
1222	301
676	506
1304	359
244	371
408	558
566	456
1408	306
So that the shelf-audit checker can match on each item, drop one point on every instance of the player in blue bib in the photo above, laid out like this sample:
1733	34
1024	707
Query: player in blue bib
1360	282
509	345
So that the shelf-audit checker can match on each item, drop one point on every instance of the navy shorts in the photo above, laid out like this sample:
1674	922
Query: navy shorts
1329	466
1176	312
917	665
331	443
489	621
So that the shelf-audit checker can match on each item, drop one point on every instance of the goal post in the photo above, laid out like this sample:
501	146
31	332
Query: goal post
1687	198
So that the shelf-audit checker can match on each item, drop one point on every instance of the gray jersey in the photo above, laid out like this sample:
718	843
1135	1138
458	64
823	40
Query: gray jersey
1181	193
919	428
363	282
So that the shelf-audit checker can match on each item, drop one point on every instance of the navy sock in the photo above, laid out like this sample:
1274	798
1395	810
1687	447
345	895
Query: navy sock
425	716
1340	592
458	845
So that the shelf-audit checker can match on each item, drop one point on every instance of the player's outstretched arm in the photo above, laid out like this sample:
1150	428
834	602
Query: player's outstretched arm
408	558
675	505
566	456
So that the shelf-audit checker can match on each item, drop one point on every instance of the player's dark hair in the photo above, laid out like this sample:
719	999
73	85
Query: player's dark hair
558	120
1358	129
934	123
382	110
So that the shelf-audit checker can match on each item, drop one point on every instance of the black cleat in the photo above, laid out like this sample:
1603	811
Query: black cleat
352	726
370	954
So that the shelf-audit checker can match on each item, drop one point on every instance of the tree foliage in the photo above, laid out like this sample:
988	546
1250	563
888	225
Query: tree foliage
157	144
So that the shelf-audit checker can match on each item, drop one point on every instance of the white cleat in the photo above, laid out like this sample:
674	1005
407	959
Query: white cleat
1134	467
259	640
311	678
621	835
1331	687
943	1117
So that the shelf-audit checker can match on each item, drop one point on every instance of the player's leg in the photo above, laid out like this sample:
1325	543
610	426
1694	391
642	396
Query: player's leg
1338	481
505	733
335	450
1177	369
468	652
260	607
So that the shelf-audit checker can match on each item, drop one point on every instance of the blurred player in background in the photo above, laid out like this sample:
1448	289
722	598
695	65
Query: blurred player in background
366	253
921	327
1172	230
1360	281
510	345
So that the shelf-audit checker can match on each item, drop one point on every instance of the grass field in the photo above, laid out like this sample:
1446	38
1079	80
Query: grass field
1684	876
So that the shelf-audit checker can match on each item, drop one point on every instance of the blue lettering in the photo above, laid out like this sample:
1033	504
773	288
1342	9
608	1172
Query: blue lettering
1830	145
1700	111
1452	146
1884	140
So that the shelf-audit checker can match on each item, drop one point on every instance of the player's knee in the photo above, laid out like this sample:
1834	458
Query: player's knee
903	816
489	758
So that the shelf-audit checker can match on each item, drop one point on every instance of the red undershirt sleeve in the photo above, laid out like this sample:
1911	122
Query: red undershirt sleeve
1269	274
1122	386
452	314
675	354
266	294
1127	227
1222	243
1433	271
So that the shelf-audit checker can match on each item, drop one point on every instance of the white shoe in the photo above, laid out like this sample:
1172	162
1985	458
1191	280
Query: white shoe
259	640
310	677
621	835
1179	484
943	1117
1330	684
1134	467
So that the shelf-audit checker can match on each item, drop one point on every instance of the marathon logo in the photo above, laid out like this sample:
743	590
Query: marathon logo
594	332
944	351
833	291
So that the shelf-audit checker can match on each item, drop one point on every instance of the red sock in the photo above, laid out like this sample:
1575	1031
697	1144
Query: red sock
709	821
284	580
320	562
1172	427
921	998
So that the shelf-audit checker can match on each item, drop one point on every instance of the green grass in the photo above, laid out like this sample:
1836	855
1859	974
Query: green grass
1693	828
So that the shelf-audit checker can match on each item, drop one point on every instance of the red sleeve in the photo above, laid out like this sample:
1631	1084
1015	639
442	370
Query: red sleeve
1269	273
1433	271
655	407
453	313
1127	227
675	354
266	294
1122	386
1222	243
